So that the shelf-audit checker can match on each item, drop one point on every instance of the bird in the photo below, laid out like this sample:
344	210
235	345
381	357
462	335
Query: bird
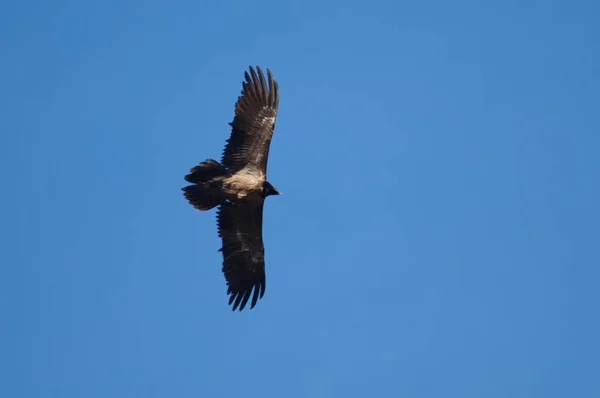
238	186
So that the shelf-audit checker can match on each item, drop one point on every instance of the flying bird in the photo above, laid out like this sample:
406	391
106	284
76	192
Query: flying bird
239	186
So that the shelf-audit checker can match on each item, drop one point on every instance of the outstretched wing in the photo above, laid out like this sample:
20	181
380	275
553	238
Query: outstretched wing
240	229
253	124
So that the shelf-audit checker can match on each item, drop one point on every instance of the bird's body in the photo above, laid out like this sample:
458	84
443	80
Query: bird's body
244	184
238	185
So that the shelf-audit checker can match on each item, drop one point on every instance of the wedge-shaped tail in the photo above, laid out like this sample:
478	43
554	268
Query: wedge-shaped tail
206	192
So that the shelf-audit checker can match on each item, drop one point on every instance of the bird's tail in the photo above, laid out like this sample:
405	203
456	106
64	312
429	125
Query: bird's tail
204	195
206	171
206	192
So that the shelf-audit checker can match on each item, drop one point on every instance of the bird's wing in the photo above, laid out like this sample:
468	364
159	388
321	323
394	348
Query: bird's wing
240	229
253	123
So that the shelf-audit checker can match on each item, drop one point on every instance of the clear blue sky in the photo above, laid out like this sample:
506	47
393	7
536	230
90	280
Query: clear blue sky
437	234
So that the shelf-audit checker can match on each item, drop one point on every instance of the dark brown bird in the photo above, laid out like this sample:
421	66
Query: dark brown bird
239	187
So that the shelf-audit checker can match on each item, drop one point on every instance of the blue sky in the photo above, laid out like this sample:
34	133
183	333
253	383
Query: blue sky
438	232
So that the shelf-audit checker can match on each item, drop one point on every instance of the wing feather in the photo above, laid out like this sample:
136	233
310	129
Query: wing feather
240	229
254	122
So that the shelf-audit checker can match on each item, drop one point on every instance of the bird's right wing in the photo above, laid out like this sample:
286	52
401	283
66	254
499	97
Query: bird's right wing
254	122
240	229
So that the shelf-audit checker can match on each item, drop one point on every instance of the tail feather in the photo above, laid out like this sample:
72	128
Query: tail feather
206	171
203	196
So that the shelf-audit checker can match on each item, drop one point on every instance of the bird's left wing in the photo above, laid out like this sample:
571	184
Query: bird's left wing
240	229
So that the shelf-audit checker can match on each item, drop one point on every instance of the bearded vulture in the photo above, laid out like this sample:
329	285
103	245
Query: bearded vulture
238	185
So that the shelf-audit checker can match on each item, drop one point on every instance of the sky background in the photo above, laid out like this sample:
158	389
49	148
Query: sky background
437	234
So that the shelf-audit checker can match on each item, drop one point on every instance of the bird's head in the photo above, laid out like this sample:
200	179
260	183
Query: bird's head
269	189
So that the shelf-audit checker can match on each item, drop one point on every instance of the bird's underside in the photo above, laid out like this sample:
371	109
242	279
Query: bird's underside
238	186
